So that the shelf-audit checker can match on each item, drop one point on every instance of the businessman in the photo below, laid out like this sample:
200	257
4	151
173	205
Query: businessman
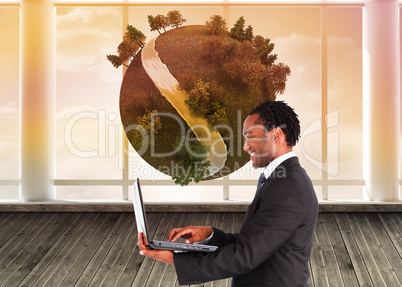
274	243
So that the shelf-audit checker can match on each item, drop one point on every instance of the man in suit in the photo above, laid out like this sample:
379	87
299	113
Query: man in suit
274	243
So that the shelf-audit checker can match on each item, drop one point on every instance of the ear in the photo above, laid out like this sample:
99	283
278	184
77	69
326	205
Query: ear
278	133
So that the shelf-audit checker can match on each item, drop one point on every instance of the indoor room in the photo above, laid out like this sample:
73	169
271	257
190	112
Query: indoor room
89	105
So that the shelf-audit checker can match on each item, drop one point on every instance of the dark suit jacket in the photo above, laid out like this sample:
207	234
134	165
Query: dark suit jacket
274	243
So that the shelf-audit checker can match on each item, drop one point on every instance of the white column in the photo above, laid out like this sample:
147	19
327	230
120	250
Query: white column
381	99
37	99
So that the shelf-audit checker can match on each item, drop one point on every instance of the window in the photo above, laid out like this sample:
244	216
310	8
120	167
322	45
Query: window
9	102
322	44
88	121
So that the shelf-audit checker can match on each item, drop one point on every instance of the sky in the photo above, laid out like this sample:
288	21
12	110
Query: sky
88	86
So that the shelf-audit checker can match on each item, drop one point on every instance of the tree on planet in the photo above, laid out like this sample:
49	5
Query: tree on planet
148	127
159	22
238	32
208	100
175	19
133	42
250	60
217	24
134	39
191	164
264	48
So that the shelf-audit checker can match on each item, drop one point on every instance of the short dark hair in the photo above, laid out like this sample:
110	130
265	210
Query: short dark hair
277	114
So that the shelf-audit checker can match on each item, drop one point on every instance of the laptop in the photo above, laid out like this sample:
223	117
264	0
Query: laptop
142	226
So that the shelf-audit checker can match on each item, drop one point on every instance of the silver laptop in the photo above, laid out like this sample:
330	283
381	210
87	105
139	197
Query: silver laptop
142	226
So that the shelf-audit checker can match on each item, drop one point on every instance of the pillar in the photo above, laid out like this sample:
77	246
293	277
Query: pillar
37	99
381	99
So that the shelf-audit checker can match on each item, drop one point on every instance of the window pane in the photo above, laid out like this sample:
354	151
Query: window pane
345	118
400	114
139	168
297	38
9	100
88	192
345	193
88	89
181	193
9	192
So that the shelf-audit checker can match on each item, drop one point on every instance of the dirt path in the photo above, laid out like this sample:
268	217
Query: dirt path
167	85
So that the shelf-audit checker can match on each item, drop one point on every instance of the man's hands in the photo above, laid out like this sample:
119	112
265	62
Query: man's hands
165	256
191	233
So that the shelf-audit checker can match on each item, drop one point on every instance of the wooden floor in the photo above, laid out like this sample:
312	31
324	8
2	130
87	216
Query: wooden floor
100	249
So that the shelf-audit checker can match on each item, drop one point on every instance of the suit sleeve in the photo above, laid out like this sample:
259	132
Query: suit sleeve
275	219
220	238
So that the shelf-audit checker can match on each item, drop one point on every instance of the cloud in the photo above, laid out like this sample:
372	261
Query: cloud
69	112
9	111
9	157
85	36
297	48
302	54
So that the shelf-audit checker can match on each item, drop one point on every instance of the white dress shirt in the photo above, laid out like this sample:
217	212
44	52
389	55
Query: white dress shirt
276	162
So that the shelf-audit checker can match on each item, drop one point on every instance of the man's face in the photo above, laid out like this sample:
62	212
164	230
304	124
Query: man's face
259	142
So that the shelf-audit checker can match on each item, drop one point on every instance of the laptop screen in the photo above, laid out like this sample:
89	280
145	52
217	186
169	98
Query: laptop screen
139	210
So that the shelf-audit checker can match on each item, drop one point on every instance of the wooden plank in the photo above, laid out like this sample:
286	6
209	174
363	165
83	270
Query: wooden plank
126	249
30	231
169	277
99	258
23	252
148	263
352	237
377	249
47	260
113	257
344	262
210	219
24	226
364	248
156	277
392	232
351	245
77	271
72	236
70	253
396	219
220	206
318	273
135	262
6	220
386	244
310	281
332	271
126	206
35	252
